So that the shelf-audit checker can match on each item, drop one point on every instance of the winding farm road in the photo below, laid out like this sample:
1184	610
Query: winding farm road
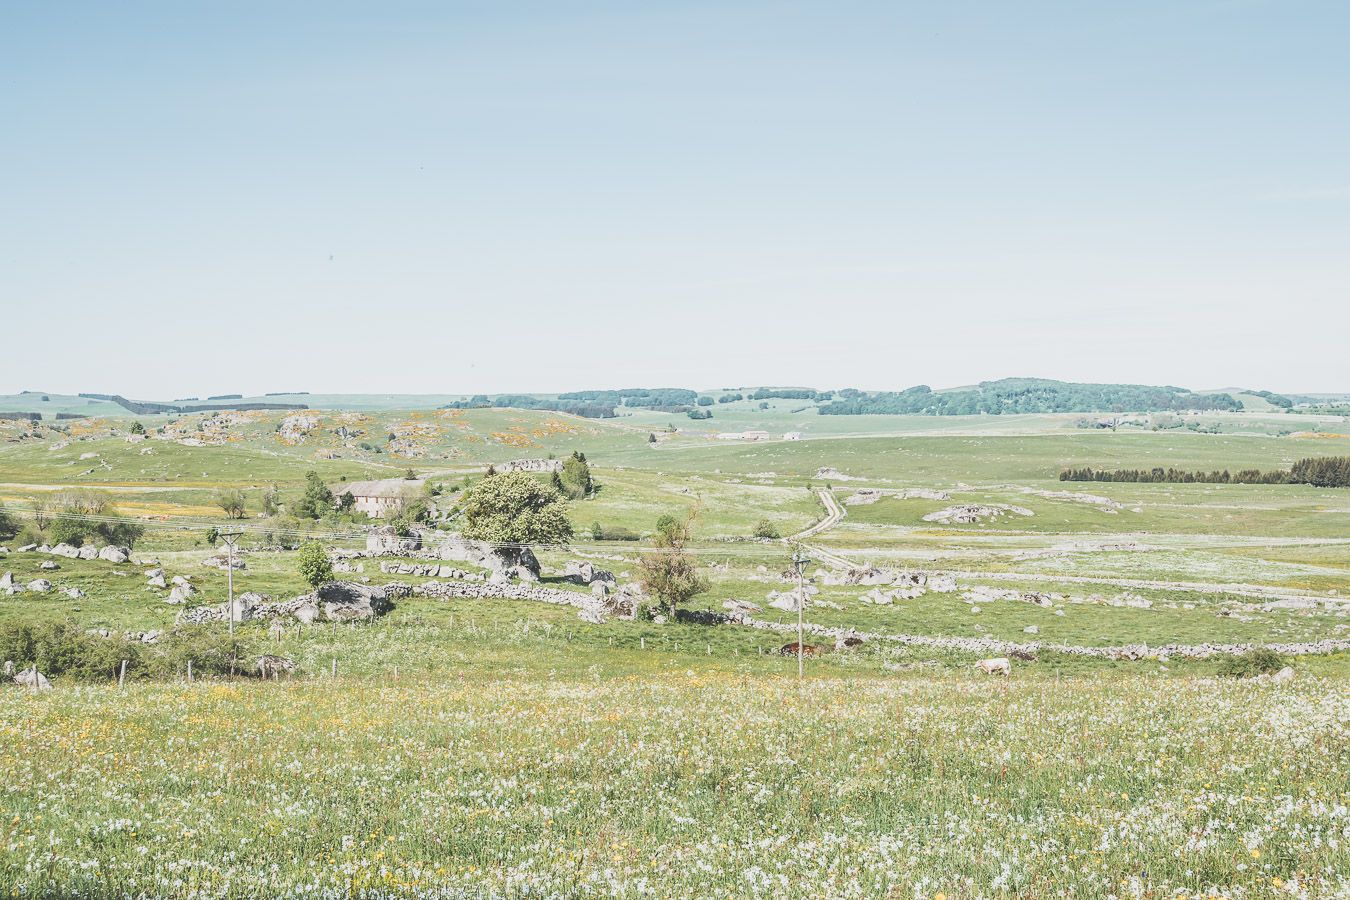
833	514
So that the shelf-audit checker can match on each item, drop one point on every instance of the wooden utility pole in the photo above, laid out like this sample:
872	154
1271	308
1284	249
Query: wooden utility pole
799	561
230	537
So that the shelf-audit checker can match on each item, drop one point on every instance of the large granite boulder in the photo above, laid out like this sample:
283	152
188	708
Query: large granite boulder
32	679
114	554
344	601
513	562
585	573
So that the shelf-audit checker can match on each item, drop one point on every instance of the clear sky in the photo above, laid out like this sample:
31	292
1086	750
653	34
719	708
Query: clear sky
496	196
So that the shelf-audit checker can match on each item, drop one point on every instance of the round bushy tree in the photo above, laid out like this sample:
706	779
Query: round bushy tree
314	565
515	508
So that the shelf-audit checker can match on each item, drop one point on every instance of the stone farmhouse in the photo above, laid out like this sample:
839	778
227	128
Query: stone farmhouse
379	499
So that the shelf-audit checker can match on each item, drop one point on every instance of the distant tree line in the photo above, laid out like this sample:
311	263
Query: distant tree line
146	408
791	394
1025	395
1320	471
527	401
646	398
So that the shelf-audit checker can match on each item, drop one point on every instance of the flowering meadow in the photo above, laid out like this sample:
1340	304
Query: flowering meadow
679	785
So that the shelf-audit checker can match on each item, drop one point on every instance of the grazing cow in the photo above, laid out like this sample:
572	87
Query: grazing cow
996	666
791	649
270	666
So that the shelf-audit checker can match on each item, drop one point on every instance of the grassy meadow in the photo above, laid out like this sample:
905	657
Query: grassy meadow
507	748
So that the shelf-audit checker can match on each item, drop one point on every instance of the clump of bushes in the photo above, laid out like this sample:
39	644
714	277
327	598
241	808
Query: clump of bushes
65	650
1260	661
613	533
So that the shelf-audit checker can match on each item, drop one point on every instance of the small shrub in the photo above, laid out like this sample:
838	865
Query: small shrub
766	529
313	564
1261	661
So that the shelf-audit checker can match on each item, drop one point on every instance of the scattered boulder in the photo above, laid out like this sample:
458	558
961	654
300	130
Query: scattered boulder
7	581
157	581
306	613
274	667
387	540
969	513
1284	675
518	562
67	551
154	573
48	565
224	562
75	593
180	594
33	679
848	639
585	573
86	552
996	666
38	586
114	554
1031	629
344	601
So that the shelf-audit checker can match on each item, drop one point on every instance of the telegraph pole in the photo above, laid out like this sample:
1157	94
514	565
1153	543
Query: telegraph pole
230	537
799	561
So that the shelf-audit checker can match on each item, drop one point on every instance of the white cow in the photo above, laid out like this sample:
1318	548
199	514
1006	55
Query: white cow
997	666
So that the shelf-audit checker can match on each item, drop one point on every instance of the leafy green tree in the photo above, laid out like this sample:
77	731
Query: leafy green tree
514	507
232	502
316	501
9	526
137	428
575	480
669	572
766	529
313	564
271	500
346	502
414	511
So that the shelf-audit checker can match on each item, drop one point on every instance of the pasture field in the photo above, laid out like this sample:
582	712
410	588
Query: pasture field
508	748
630	780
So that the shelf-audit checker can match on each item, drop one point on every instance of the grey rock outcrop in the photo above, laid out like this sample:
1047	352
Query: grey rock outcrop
31	678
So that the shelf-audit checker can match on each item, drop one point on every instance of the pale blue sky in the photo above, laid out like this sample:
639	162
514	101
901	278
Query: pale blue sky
495	196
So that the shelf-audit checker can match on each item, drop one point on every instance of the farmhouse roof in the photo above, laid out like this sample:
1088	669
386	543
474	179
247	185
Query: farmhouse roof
387	488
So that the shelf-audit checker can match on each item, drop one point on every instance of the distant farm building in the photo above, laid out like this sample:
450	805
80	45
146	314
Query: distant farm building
792	436
379	499
743	436
531	465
